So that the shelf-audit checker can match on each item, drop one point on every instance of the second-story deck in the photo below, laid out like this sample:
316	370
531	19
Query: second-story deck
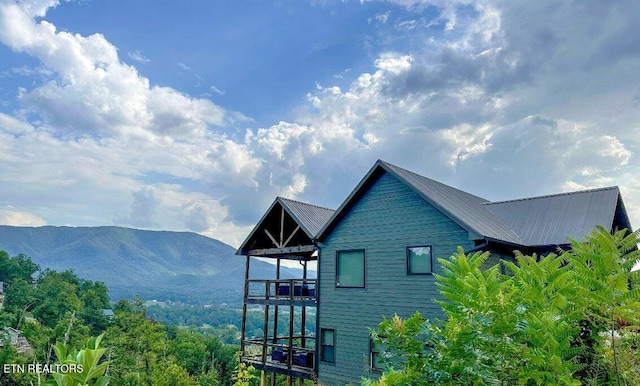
299	292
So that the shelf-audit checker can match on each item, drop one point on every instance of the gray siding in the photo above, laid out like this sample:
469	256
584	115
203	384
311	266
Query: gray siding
387	218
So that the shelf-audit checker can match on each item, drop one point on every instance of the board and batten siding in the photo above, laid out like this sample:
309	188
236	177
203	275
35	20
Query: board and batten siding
388	217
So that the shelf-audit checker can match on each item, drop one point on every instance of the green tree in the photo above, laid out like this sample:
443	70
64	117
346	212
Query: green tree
190	351
16	267
525	328
171	374
138	345
20	298
602	264
57	294
95	298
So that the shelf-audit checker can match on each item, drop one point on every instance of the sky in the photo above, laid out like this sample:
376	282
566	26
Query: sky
194	116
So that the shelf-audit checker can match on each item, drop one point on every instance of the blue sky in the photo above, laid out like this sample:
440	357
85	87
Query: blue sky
195	115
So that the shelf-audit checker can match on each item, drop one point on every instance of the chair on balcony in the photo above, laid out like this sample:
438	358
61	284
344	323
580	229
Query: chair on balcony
282	289
278	355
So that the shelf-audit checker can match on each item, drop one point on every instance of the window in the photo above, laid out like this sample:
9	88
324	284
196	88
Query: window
419	260
350	269
375	357
327	345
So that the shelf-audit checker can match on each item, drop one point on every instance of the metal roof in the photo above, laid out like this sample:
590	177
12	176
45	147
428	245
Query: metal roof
464	208
551	220
310	217
536	221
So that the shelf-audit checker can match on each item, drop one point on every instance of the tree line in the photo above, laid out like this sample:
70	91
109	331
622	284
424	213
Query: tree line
63	318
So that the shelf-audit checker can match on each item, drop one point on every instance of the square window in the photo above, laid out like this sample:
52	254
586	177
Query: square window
419	260
375	350
350	268
327	345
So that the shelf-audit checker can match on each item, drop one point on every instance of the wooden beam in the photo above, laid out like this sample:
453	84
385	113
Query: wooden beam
273	239
291	236
282	229
243	334
281	251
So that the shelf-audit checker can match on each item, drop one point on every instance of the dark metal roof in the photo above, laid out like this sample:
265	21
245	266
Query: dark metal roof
537	221
310	217
464	208
551	220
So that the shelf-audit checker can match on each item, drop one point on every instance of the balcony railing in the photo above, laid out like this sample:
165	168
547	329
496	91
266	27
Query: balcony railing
290	289
276	356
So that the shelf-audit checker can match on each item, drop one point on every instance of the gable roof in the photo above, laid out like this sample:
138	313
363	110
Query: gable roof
552	219
463	208
309	217
536	221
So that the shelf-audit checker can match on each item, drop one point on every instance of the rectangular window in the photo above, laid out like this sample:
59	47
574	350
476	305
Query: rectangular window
350	268
375	357
327	345
419	260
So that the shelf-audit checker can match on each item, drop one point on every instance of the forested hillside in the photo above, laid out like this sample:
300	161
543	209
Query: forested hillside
177	266
62	309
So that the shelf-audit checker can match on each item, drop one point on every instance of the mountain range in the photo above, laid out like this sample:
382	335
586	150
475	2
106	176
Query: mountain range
166	266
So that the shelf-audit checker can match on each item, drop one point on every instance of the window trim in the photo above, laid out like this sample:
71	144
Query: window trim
364	267
372	351
430	259
323	345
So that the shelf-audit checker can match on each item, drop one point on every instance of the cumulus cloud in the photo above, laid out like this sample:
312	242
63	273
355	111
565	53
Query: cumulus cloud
101	127
94	91
143	208
503	99
10	216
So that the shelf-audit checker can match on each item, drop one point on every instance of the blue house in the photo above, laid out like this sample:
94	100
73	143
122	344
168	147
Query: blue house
377	252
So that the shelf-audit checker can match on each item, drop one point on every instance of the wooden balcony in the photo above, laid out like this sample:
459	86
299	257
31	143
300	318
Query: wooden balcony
299	292
273	357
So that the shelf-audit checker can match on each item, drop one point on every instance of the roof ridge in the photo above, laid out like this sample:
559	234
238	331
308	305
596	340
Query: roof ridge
305	203
431	179
552	195
478	219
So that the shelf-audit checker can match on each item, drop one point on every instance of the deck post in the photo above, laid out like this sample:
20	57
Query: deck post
266	335
244	306
263	378
304	309
276	308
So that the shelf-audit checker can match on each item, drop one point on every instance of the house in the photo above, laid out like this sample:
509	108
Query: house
286	344
14	337
376	254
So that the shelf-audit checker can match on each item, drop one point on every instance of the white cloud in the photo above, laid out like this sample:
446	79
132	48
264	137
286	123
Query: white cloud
217	90
393	63
138	57
506	100
143	209
10	216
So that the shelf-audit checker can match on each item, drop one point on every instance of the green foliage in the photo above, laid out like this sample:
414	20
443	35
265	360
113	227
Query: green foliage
18	267
244	375
65	308
547	323
85	367
190	351
137	345
171	374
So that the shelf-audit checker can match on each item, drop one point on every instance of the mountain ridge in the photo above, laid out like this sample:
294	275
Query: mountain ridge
163	265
